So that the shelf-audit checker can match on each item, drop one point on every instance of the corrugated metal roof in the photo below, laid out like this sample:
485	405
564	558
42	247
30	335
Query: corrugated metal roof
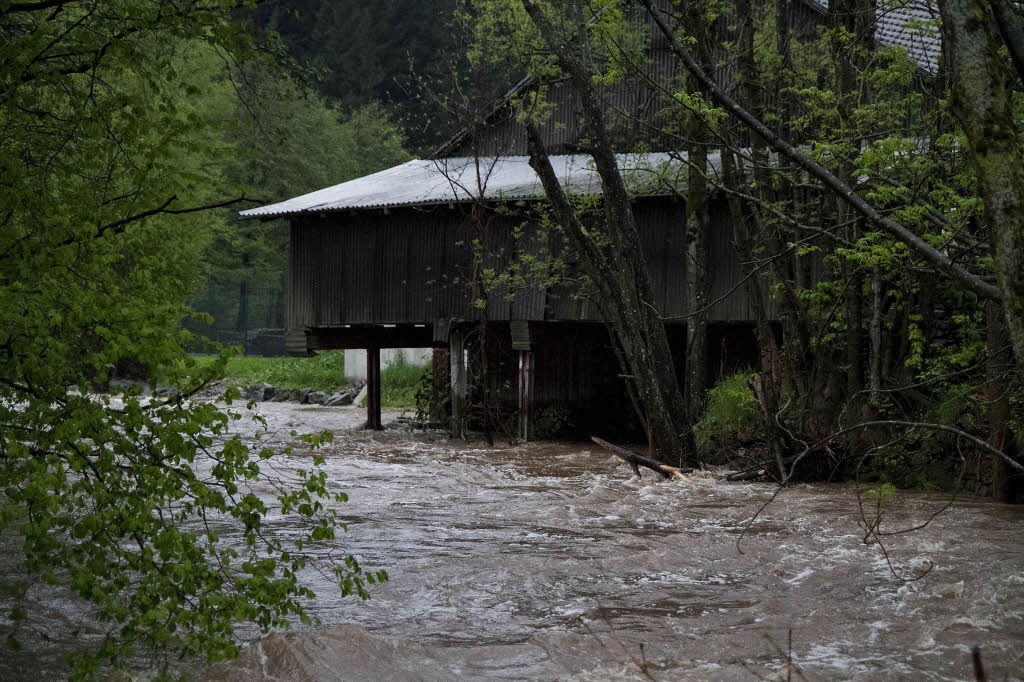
910	24
463	179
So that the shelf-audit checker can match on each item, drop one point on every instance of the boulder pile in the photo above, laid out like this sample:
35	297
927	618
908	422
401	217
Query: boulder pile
305	396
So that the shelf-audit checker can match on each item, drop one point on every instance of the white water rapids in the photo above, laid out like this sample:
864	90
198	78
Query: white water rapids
551	560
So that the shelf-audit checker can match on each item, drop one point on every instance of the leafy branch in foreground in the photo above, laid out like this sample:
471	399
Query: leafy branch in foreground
150	510
157	514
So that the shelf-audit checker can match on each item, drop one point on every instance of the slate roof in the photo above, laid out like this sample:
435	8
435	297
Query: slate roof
455	180
910	24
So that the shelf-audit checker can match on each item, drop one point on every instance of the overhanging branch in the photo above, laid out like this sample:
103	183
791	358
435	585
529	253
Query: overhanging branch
918	245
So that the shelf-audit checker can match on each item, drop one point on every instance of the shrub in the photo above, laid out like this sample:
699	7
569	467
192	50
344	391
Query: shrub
431	406
732	413
399	382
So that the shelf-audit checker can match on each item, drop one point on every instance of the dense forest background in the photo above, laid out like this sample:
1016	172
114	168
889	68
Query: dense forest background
367	87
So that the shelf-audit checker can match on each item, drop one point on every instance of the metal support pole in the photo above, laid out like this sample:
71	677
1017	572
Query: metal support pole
457	362
525	393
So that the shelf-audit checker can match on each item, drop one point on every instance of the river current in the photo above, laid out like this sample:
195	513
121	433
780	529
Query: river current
553	561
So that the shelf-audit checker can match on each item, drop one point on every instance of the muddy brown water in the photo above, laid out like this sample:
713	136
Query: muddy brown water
552	561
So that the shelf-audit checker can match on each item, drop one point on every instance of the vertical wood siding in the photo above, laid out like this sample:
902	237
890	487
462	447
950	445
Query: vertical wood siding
414	265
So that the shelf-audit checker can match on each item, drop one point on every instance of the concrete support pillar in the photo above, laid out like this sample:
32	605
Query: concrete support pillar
373	420
525	393
457	362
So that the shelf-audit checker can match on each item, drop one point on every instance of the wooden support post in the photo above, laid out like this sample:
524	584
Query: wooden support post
243	314
373	389
525	393
457	362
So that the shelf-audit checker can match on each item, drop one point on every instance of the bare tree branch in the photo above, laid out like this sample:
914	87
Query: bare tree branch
831	181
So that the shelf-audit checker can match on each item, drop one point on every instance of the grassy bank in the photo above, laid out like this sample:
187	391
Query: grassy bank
324	372
398	383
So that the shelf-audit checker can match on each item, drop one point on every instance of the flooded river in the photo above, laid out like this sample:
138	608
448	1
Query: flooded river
545	561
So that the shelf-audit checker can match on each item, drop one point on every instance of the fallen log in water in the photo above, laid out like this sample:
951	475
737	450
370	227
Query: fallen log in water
637	460
760	471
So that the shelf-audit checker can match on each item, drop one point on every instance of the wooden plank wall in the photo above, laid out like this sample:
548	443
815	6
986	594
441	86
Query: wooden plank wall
415	266
372	267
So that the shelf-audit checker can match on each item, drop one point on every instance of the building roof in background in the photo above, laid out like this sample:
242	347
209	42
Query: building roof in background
465	179
910	24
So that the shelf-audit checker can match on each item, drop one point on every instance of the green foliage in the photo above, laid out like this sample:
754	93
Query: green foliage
881	495
549	421
323	372
732	413
877	499
400	381
149	509
430	405
358	52
284	143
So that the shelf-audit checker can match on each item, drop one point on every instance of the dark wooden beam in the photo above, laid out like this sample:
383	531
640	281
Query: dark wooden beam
373	389
365	336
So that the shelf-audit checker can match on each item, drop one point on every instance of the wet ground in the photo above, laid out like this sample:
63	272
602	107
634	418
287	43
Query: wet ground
551	560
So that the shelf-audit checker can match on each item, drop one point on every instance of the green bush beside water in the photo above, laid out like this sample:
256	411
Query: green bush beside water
323	372
731	414
400	381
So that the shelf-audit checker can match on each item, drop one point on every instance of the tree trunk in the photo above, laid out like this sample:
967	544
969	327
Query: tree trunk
851	22
1008	21
997	394
793	270
697	221
981	103
624	287
767	388
620	269
636	461
875	363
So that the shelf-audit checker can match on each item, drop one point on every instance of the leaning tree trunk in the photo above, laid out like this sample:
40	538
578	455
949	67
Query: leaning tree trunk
982	105
619	270
767	385
851	22
997	393
830	181
697	223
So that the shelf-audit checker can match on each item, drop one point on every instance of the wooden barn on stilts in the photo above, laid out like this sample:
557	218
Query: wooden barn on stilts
456	253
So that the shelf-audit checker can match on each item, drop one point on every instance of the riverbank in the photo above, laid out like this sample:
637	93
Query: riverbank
322	374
